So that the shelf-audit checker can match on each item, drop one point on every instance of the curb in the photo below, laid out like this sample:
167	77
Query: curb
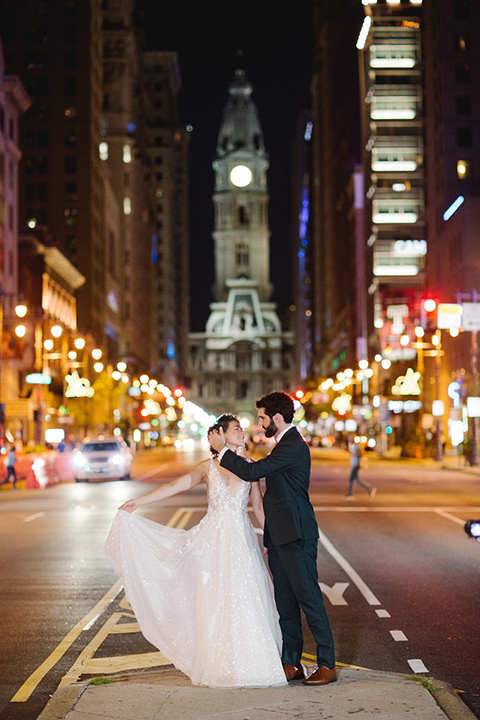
449	701
64	699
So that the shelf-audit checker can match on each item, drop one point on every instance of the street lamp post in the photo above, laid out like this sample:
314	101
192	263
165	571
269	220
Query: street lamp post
438	423
474	459
20	311
473	325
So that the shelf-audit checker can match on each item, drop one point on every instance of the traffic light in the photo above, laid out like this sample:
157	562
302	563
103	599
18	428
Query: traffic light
428	314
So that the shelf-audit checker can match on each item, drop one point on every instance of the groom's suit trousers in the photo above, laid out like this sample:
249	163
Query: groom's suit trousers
295	578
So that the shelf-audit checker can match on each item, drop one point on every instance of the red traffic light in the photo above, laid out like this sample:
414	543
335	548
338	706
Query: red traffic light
429	305
299	394
144	412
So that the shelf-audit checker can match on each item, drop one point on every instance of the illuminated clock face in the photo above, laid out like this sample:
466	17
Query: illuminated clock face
240	176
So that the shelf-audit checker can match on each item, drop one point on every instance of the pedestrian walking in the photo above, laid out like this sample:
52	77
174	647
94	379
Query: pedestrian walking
11	460
355	458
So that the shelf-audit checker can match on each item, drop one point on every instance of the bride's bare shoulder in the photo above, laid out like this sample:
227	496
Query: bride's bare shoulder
203	467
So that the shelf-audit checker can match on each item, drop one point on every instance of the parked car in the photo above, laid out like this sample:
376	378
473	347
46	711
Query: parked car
102	459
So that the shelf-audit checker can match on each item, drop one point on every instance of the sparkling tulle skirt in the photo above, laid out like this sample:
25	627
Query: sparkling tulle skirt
203	596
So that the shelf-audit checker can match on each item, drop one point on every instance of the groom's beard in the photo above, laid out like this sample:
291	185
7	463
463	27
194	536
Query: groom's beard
271	430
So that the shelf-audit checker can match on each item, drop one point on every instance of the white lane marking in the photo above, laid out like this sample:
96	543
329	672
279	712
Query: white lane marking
335	593
352	574
398	636
447	515
364	508
383	613
34	517
417	666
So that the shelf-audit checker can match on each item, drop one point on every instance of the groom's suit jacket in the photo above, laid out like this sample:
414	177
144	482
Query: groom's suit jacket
289	514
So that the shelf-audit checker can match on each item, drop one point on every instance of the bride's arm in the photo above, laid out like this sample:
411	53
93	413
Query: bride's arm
257	503
185	482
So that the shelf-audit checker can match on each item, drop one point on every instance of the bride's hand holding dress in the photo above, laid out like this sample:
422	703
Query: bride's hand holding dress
203	596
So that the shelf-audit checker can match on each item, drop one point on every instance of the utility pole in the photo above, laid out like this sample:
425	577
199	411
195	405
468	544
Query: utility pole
474	455
473	324
438	423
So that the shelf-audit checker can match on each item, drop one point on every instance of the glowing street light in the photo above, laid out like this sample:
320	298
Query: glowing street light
79	343
96	354
56	331
20	331
21	310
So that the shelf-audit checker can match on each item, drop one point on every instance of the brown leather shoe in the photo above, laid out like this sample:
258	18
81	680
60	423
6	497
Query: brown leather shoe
321	676
293	673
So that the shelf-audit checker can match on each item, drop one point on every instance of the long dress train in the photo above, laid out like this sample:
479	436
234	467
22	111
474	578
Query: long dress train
203	596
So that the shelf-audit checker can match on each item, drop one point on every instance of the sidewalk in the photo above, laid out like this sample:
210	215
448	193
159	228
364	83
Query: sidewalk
449	461
167	694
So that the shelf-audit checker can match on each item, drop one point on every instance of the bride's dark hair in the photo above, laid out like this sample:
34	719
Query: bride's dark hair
222	422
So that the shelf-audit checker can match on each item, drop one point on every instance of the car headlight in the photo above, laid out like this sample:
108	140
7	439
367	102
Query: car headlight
117	459
79	460
472	528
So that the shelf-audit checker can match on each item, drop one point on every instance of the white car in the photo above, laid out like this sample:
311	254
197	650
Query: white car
102	459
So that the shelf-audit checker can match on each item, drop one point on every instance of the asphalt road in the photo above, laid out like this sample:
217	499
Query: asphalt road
400	577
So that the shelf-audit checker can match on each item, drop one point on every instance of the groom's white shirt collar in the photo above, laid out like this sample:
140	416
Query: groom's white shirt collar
280	435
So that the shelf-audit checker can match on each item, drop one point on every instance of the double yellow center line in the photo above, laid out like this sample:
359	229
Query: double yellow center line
178	520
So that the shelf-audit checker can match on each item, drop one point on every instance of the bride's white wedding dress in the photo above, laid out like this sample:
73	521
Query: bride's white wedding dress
203	596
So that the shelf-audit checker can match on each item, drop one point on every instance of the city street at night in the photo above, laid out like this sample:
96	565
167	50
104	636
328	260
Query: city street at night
398	572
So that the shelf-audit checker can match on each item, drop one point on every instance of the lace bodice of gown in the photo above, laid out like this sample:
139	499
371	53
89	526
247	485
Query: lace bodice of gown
223	498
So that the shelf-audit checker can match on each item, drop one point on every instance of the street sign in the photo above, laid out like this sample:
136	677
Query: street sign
38	379
471	317
473	407
449	315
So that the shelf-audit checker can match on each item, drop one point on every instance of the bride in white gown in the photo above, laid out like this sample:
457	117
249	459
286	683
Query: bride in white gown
203	596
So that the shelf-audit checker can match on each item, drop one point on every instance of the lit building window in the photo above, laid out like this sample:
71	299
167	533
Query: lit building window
463	169
127	154
127	206
103	151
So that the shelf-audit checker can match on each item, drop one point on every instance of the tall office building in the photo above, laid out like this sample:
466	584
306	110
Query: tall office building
390	45
167	152
244	353
56	48
122	149
331	253
452	133
14	101
302	244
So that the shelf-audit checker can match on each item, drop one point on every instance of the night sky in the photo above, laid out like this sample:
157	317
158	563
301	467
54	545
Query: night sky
276	40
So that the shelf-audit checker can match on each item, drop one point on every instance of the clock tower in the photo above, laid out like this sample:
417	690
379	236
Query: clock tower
244	353
241	196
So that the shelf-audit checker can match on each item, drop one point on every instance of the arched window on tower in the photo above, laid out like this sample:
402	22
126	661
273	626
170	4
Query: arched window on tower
242	216
241	255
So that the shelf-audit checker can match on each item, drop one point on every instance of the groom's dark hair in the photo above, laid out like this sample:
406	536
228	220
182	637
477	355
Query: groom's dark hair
222	422
277	402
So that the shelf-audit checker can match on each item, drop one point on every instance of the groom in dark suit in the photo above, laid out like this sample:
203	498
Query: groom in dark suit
290	534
